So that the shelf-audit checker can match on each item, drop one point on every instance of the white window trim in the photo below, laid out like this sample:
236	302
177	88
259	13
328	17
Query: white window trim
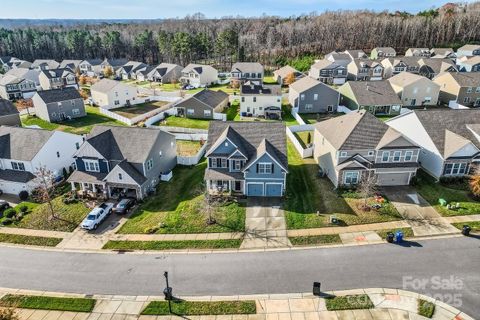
410	153
395	155
383	156
347	173
266	165
343	154
92	165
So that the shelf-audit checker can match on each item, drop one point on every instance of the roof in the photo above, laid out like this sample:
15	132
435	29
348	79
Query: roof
197	68
374	93
471	61
22	143
24	73
132	172
362	63
93	62
52	64
466	79
419	50
448	128
16	176
389	50
247	67
285	71
442	51
210	97
406	78
356	53
105	85
58	95
437	65
275	90
409	61
304	84
7	108
469	47
57	73
324	64
9	79
251	138
222	174
69	63
116	62
88	177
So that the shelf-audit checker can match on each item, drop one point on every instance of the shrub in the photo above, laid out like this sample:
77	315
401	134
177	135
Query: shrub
23	208
151	230
19	217
10	212
7	221
23	195
425	308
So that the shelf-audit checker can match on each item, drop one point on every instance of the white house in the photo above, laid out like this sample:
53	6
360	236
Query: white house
199	75
109	94
24	150
260	100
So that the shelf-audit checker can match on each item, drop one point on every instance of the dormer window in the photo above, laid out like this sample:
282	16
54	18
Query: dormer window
120	177
371	153
91	165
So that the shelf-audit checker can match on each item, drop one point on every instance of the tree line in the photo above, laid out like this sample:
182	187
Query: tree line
272	41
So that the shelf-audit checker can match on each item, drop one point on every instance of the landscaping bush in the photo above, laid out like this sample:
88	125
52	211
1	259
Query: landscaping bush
151	230
425	308
10	213
460	183
19	216
23	209
349	193
7	221
23	195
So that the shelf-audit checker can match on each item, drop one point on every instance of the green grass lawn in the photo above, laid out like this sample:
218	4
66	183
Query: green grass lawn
269	80
173	121
48	303
315	240
184	308
233	113
287	115
426	308
407	232
173	245
29	240
308	194
432	191
78	126
179	207
303	138
188	148
138	109
475	225
351	302
225	88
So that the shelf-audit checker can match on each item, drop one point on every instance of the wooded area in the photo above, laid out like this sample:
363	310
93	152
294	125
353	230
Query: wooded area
272	41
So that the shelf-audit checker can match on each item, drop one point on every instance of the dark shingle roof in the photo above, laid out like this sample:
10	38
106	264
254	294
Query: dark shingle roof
132	172
22	143
16	176
260	89
210	97
374	93
7	108
58	95
56	73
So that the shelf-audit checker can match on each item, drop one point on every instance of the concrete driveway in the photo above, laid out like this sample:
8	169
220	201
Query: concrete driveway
421	216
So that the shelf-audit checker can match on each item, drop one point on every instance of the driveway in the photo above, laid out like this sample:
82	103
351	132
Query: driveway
12	199
265	225
421	216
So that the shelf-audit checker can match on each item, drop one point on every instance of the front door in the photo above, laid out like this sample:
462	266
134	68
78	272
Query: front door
413	102
238	186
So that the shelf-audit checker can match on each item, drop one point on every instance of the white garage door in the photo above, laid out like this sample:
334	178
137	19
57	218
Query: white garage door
393	179
11	187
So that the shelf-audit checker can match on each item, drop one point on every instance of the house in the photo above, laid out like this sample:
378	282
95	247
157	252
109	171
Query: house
59	105
199	75
109	94
340	58
365	69
431	67
308	95
130	69
418	52
73	65
247	158
9	115
8	63
382	52
443	53
415	90
450	139
328	72
468	50
203	104
119	161
364	147
115	64
377	97
44	64
261	100
164	73
24	73
91	67
356	54
247	71
13	88
469	64
459	89
396	65
57	79
23	151
283	73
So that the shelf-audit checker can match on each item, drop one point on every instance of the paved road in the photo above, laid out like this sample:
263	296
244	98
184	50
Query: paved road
290	271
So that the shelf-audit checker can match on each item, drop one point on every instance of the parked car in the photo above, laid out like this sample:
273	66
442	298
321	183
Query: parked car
124	205
96	216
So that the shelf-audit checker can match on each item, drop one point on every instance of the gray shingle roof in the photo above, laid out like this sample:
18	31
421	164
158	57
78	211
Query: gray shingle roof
56	73
247	67
132	172
304	84
374	93
261	89
285	71
7	108
467	79
106	85
210	97
22	143
90	177
58	95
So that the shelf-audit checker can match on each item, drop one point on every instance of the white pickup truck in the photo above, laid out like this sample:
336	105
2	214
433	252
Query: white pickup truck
96	216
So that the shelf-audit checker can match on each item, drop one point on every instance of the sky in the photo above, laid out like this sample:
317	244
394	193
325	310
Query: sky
152	9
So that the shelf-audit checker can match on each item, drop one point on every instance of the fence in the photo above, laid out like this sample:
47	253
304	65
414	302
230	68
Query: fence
343	109
455	105
160	116
193	160
219	116
297	116
304	153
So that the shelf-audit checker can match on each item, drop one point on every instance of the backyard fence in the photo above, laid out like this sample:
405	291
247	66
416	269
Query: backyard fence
219	116
304	152
186	133
343	109
297	117
160	116
193	160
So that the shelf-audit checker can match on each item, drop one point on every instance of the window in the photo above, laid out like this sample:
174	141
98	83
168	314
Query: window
396	156
408	155
149	164
223	163
264	168
207	113
58	154
469	90
190	111
117	102
120	177
308	107
385	156
77	145
75	112
18	166
254	99
351	177
160	153
91	165
371	153
243	99
343	154
477	90
315	96
302	97
116	94
237	165
456	168
466	100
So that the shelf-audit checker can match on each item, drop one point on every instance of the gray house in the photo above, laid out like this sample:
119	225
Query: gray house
119	161
247	158
247	71
311	96
203	104
9	115
58	105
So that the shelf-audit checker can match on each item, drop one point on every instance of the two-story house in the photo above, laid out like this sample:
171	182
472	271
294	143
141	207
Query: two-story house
308	95
450	139
459	89
328	72
396	65
23	151
204	104
70	64
261	101
114	64
468	50
91	67
365	69
164	73
363	146
59	105
431	67
130	69
13	88
57	79
111	94
415	90
44	64
247	158
469	64
27	74
382	52
119	161
341	58
418	52
199	75
356	54
443	53
247	71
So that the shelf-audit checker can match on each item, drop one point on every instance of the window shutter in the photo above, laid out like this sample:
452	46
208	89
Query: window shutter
209	162
228	163
273	167
257	167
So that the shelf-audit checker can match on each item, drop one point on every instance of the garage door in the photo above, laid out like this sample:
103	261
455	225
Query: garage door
255	189
11	187
393	179
273	190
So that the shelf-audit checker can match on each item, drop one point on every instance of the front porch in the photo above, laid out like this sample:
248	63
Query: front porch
87	190
235	187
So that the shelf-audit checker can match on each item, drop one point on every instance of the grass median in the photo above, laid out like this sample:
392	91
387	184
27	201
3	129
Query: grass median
407	232
29	240
351	302
173	245
425	308
48	303
315	240
197	308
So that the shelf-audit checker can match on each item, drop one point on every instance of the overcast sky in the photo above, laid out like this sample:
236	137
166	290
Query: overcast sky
148	9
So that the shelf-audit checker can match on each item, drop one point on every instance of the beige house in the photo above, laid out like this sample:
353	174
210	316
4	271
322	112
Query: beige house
382	52
418	52
415	90
109	94
281	74
459	89
365	146
365	69
199	75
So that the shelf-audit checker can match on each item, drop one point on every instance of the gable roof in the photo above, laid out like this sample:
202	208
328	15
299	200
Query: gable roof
22	143
116	62
471	61
304	84
7	108
58	95
9	79
210	97
466	79
285	71
356	54
362	63
406	78
437	65
69	63
106	85
442	51
249	138
388	50
52	64
247	67
326	64
57	73
250	88
197	68
24	73
469	47
93	62
131	172
374	93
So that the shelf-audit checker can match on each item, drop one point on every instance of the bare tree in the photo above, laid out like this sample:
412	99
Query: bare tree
367	187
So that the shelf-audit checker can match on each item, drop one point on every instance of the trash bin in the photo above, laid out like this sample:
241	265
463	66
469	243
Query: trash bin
466	230
390	237
398	236
316	288
168	293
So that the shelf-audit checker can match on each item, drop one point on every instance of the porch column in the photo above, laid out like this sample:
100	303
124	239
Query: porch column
73	185
94	188
83	186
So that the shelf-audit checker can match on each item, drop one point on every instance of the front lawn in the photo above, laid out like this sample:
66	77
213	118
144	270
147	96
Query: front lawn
179	207
138	109
77	126
187	148
407	232
48	303
29	240
182	122
315	240
173	245
225	88
197	308
352	302
432	191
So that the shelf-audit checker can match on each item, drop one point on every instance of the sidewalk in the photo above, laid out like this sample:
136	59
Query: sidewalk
389	304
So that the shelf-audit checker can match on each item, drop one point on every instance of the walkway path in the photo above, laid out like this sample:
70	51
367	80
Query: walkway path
265	225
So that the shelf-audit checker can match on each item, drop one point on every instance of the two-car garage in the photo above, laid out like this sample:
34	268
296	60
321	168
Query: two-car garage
393	179
267	189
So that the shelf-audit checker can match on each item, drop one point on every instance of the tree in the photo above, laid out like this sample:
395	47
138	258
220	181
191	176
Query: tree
108	72
290	78
83	94
367	187
475	182
24	104
82	80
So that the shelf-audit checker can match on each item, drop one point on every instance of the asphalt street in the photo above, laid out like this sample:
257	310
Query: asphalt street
454	263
